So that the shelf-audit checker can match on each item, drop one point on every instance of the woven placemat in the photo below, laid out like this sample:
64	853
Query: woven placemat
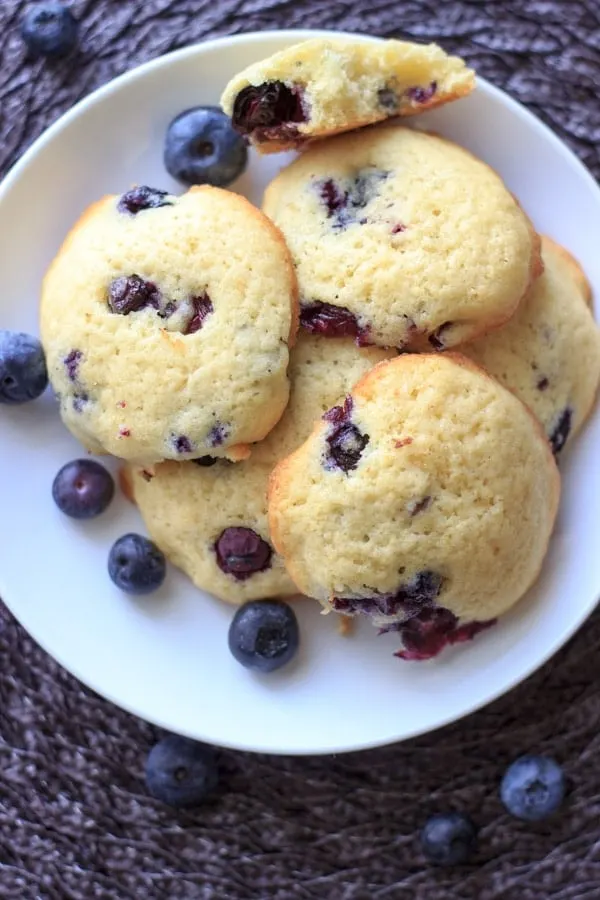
75	820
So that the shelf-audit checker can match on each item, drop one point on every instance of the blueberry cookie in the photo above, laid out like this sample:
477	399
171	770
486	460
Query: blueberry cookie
210	517
426	501
166	323
402	239
549	352
325	86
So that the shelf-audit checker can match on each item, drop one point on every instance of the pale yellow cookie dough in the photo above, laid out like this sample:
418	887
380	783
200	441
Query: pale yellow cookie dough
202	365
326	86
549	352
187	506
408	234
433	488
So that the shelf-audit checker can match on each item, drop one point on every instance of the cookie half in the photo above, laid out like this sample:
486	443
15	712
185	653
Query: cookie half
166	323
325	86
402	239
210	517
549	352
426	502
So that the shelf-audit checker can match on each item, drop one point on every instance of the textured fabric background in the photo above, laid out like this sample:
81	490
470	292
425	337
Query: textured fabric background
75	820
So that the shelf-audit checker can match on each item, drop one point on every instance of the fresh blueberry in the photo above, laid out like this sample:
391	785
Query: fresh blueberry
136	565
181	772
23	374
49	29
202	147
449	839
264	635
83	489
533	788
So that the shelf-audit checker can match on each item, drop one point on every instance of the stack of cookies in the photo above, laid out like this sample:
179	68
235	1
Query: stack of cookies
395	456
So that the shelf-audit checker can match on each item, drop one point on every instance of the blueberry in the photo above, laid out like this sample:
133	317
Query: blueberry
265	108
143	197
332	321
83	489
130	293
533	788
136	565
264	635
23	374
202	147
449	839
181	772
49	29
241	552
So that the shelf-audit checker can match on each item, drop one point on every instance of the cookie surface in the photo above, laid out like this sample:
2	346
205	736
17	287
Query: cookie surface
549	352
204	515
166	323
327	86
426	501
402	239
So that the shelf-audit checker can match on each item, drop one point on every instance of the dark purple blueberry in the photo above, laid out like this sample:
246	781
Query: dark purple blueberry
217	434
181	772
143	197
202	307
80	398
241	552
533	788
182	443
202	147
333	197
430	631
449	839
269	111
340	414
418	506
342	203
542	384
410	598
205	461
436	339
49	29
83	489
388	99
398	228
422	94
264	635
71	362
561	431
168	309
23	373
136	565
346	445
332	321
130	293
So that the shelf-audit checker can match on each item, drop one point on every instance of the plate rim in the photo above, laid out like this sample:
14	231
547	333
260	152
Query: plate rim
99	95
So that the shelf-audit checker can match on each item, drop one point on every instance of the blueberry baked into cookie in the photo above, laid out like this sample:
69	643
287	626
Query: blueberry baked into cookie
325	86
426	502
402	239
549	352
166	323
210	517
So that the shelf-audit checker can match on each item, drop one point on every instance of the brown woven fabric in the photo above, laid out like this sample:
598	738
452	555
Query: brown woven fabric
75	820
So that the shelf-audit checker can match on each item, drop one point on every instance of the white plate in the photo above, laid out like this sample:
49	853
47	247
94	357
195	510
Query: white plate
166	658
